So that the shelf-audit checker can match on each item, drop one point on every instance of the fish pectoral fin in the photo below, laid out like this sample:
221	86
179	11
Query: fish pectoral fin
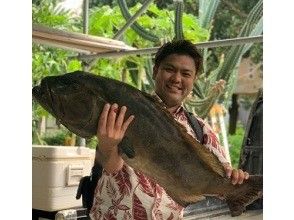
199	198
193	198
126	147
244	194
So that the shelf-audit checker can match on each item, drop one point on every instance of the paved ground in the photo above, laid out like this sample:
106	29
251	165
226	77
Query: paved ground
224	215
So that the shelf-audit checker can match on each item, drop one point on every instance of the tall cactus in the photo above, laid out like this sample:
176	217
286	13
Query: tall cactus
206	89
204	98
135	26
252	27
207	9
179	7
235	53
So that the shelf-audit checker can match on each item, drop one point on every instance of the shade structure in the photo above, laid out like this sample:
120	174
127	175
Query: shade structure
82	43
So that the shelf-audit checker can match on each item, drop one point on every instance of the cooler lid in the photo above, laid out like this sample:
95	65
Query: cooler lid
44	151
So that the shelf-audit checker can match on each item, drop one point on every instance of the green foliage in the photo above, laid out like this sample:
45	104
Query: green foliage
103	21
36	137
228	23
207	10
206	91
47	60
235	144
106	21
48	14
92	143
256	53
55	138
192	30
74	65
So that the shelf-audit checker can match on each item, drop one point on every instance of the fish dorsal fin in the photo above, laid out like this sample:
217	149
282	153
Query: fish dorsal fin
204	154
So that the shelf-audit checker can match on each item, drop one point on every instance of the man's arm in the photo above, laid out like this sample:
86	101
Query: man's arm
212	143
111	130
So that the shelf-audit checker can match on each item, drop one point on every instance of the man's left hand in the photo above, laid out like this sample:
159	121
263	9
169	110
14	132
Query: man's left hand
237	176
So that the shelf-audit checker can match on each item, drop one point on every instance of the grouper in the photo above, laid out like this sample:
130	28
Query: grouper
154	143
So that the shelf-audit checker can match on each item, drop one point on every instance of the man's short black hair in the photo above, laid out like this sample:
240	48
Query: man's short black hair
181	47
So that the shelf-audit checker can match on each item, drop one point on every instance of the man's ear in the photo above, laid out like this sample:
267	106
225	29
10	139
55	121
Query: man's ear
155	69
195	78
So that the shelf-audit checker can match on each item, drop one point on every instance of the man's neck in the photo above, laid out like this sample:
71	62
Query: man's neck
173	109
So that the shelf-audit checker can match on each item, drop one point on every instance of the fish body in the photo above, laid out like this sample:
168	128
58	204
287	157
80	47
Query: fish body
154	142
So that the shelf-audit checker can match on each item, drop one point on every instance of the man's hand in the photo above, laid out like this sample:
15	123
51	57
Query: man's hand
111	126
237	175
110	131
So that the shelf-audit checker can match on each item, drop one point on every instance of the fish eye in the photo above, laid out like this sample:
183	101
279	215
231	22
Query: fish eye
65	88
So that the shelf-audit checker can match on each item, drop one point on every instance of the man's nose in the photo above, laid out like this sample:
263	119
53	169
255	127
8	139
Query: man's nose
176	77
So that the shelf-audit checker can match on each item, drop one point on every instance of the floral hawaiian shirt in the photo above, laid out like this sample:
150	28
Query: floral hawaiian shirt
129	194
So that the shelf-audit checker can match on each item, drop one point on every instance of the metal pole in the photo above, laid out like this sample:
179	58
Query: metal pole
85	16
209	44
82	141
132	19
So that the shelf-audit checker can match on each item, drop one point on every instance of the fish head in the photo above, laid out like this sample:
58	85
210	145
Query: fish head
72	103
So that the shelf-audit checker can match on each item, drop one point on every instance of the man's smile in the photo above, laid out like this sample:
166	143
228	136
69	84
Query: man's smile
174	88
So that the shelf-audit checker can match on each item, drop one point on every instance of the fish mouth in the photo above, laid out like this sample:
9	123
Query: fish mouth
57	112
48	95
43	95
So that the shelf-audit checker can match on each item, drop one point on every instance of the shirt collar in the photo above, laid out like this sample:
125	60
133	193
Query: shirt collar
179	110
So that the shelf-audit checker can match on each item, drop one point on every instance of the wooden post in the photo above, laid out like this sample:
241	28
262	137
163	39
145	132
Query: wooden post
233	112
43	125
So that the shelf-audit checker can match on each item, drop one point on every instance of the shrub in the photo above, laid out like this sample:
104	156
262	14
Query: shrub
56	138
235	143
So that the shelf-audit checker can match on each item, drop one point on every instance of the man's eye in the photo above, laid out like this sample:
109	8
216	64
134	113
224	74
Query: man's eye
169	69
186	74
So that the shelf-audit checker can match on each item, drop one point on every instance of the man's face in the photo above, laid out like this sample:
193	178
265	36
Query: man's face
174	78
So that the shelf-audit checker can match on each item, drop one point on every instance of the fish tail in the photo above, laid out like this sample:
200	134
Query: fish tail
244	194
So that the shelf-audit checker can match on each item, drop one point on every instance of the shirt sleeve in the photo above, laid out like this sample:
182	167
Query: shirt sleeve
211	142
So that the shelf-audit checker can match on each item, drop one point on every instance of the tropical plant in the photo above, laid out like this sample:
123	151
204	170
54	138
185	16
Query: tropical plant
47	60
56	138
209	86
105	21
137	70
235	143
232	14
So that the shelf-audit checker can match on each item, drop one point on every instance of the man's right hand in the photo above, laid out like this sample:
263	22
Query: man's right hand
111	130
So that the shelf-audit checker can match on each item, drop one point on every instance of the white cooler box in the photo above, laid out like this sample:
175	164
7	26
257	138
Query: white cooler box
57	171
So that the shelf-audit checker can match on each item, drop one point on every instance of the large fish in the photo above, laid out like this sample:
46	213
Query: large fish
154	143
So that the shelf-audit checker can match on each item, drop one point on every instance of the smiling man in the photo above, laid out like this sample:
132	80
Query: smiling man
125	193
174	74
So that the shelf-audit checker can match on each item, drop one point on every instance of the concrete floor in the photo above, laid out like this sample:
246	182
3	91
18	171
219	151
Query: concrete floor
225	214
